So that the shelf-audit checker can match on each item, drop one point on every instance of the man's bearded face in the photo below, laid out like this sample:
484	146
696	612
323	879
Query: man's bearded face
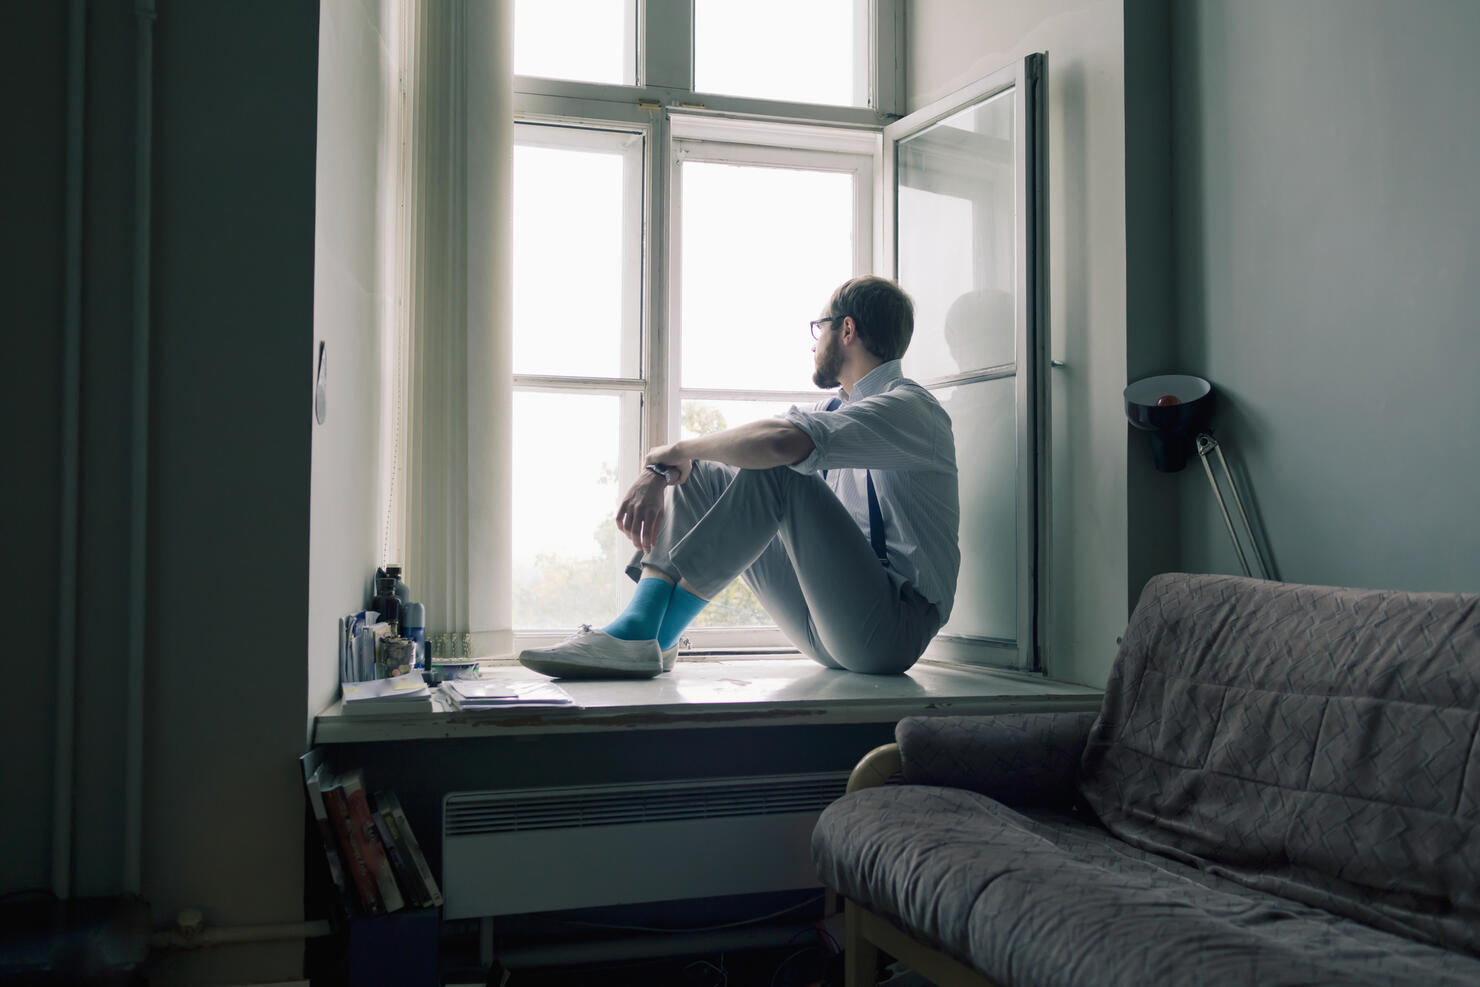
829	358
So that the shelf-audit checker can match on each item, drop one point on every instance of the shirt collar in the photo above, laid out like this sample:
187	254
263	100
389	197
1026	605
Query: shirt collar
876	381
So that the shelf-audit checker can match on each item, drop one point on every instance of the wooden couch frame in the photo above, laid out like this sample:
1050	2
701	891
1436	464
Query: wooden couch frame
865	932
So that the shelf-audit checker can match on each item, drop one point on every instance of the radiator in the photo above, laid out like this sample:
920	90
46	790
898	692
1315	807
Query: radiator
537	849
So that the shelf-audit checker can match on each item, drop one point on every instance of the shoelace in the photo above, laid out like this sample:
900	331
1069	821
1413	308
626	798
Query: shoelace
683	642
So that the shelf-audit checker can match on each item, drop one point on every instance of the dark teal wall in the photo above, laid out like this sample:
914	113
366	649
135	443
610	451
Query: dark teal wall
228	443
1327	236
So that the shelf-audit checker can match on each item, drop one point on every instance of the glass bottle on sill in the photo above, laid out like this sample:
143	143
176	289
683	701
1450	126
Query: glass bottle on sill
387	603
403	592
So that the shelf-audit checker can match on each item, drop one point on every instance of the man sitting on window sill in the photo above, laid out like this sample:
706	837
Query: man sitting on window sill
842	520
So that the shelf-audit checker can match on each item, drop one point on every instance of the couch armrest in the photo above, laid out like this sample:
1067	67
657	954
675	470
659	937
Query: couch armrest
876	768
1024	759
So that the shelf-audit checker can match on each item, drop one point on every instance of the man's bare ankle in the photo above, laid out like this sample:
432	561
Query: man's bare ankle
683	584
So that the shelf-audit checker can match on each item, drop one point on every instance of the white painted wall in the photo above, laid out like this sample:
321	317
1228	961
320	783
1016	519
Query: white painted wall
951	43
353	303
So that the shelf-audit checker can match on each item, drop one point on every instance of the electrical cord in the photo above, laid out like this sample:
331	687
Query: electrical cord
700	928
782	965
724	975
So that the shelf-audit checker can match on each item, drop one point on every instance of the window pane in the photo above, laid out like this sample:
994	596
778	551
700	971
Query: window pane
583	40
576	255
957	240
763	249
568	553
737	605
700	417
984	419
807	52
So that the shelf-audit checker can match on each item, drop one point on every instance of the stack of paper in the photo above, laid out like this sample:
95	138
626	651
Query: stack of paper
401	694
360	635
499	694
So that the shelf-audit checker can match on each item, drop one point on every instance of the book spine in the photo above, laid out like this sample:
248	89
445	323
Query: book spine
380	867
359	869
406	876
403	825
327	837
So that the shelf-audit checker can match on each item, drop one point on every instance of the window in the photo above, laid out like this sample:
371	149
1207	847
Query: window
580	40
813	52
639	217
761	234
649	213
578	382
966	207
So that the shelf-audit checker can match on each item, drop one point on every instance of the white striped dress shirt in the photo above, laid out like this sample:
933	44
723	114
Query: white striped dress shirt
895	429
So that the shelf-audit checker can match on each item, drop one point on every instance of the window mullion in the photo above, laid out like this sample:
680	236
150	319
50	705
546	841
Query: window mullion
658	308
666	44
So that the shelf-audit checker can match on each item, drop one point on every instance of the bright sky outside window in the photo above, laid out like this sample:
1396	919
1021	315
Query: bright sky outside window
568	268
568	553
800	52
581	40
763	248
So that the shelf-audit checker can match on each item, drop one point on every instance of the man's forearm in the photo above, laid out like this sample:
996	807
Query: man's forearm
756	445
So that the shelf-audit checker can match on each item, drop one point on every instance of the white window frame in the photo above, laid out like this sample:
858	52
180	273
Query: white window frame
675	124
771	144
1026	81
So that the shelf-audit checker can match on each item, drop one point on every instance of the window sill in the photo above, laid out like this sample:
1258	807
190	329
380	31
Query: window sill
727	692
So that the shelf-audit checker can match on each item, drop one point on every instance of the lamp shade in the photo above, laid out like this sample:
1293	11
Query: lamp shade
1175	409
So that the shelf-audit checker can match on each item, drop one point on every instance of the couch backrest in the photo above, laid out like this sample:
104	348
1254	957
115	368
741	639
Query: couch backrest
1317	742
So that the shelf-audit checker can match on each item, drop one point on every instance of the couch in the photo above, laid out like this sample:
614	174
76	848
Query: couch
1282	786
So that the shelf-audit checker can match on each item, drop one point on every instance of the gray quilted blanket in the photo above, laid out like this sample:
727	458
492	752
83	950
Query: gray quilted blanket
1047	898
1313	742
1282	788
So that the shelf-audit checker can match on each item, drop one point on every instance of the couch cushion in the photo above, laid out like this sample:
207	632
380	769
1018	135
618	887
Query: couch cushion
1021	759
1045	898
1319	743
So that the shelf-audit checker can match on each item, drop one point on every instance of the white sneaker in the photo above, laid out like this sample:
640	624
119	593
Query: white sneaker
669	657
593	654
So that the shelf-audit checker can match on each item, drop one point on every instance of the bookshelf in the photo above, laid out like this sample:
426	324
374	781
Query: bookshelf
365	866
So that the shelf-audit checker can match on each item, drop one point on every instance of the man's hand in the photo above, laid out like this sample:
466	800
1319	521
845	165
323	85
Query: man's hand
641	511
670	457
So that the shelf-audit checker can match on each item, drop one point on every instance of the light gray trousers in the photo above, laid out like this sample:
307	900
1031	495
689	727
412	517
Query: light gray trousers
798	549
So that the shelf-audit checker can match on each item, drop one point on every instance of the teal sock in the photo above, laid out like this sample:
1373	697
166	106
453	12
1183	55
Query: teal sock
644	614
683	607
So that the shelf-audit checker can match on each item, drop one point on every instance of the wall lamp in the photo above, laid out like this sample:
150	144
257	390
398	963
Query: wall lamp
1177	411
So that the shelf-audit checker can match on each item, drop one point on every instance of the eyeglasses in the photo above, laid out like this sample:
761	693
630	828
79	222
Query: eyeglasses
817	323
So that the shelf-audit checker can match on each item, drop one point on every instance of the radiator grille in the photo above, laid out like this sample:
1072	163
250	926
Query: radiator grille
474	813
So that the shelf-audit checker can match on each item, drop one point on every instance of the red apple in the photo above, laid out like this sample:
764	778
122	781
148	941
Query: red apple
1168	400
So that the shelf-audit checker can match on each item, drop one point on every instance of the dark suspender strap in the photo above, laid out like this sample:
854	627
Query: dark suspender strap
875	521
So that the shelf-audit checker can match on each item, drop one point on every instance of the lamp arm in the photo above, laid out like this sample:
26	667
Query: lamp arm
1206	445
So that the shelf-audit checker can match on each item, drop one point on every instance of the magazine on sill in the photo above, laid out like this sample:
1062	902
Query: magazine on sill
401	694
498	694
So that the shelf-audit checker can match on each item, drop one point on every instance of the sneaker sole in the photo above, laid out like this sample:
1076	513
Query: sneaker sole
566	669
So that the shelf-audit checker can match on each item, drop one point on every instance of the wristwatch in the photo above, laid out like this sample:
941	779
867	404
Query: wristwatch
668	473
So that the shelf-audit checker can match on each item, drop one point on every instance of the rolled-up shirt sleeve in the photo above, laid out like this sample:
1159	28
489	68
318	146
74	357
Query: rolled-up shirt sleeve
807	422
892	431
